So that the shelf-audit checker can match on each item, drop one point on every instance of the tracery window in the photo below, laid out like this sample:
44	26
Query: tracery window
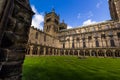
77	39
84	44
112	43
63	45
36	36
48	20
97	43
103	36
89	37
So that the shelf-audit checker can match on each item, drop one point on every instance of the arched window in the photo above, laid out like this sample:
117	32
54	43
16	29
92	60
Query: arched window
63	45
112	43
84	44
97	43
36	36
73	45
77	39
48	20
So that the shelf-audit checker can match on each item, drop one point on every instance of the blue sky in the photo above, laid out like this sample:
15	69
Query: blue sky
74	12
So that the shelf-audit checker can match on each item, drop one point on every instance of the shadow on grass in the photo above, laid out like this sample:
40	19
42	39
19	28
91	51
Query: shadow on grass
57	73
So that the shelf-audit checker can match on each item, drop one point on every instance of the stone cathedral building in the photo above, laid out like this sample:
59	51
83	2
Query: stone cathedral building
100	39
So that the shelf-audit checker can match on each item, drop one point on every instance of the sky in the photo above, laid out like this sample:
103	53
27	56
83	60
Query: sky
75	13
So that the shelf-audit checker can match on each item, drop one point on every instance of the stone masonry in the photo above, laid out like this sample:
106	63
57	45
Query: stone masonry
15	21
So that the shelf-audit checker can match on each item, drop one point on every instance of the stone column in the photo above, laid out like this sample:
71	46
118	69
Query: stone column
56	51
44	51
78	52
105	54
73	52
59	52
90	53
113	51
52	51
38	51
12	55
64	52
68	52
84	53
31	50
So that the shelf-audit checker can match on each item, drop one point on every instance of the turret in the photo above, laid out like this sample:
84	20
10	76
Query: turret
51	23
114	6
62	25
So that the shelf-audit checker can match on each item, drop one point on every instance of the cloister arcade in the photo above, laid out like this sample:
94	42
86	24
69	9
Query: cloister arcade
42	50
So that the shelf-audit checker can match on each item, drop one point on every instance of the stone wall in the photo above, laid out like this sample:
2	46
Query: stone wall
15	22
87	36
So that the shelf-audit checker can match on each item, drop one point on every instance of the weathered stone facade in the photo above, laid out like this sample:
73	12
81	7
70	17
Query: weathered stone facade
15	21
101	39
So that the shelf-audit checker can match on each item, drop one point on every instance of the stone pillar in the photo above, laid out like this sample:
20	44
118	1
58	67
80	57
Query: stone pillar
105	54
73	52
84	53
68	52
14	32
56	52
113	51
52	51
44	51
38	51
59	52
64	52
31	50
90	53
78	52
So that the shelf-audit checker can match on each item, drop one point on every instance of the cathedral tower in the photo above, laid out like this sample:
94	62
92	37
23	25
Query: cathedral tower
114	6
62	25
51	23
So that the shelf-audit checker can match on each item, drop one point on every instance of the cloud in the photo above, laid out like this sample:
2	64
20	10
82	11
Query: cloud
85	15
38	19
90	14
88	22
69	27
98	4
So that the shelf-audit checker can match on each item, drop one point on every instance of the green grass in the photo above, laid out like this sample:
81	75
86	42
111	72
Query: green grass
70	68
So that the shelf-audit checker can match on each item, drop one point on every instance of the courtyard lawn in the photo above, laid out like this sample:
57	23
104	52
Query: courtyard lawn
70	68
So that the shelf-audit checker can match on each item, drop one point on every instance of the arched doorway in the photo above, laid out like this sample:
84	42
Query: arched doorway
109	53
117	53
101	53
35	50
76	52
87	53
93	53
82	53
